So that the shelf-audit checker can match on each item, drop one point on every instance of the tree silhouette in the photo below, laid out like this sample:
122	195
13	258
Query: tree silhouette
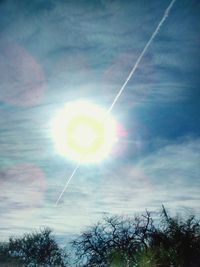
35	249
6	260
176	242
139	242
115	240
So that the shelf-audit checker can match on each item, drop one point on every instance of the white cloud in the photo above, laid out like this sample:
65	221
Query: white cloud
174	172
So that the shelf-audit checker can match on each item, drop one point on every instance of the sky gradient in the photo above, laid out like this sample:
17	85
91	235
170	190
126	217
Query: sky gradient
53	52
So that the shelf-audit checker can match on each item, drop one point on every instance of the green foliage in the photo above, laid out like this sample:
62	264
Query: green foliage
146	258
119	258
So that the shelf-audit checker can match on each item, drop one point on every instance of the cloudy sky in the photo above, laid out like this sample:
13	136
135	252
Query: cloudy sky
53	52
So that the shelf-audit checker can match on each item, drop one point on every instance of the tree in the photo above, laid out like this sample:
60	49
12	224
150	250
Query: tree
114	240
139	242
36	249
176	242
6	260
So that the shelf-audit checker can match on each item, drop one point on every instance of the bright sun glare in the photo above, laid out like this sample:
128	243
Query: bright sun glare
84	132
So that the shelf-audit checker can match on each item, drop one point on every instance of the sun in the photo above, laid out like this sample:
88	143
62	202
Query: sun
84	132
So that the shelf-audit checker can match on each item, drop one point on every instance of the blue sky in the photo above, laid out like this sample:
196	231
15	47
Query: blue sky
53	52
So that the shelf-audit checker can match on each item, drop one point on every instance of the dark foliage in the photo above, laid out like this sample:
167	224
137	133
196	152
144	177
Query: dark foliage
139	242
34	249
176	242
113	242
6	260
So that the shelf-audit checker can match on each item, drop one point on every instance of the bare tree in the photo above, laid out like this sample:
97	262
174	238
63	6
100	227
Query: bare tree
113	239
139	242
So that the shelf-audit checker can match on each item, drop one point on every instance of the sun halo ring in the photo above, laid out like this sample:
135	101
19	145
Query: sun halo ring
84	132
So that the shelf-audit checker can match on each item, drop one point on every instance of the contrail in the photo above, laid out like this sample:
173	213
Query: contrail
166	13
68	181
142	54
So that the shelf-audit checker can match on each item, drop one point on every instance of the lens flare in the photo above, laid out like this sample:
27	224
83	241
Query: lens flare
84	132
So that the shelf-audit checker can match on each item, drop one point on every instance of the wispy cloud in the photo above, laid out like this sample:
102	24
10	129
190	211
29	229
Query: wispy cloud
61	51
22	188
168	176
174	172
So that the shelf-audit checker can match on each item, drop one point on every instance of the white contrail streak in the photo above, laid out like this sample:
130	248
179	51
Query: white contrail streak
166	13
142	54
67	183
